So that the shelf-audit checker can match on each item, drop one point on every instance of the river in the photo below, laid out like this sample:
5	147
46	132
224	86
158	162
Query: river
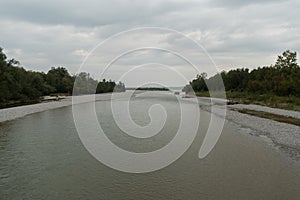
42	157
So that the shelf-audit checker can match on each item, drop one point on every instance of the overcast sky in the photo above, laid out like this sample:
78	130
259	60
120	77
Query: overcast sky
237	33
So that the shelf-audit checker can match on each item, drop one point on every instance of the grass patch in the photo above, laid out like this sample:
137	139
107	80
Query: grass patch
270	100
215	94
202	94
10	104
278	118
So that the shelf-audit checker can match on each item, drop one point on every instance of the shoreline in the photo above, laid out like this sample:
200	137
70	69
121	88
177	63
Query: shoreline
282	135
12	113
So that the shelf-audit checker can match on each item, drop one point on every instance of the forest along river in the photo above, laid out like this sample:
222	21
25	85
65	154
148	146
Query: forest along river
42	157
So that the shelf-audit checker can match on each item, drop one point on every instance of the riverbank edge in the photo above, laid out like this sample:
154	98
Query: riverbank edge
285	137
9	114
269	100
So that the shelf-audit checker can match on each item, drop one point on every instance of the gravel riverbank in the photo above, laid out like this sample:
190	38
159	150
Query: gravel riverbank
283	135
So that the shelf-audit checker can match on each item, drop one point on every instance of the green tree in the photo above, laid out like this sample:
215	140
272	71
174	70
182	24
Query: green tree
281	79
60	80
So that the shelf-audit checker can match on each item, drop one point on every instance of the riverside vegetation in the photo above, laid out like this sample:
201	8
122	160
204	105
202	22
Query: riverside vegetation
276	85
19	86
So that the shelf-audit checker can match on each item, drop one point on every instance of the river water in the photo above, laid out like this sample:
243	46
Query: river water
42	157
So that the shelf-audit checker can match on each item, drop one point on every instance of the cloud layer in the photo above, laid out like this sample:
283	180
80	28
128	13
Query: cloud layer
61	33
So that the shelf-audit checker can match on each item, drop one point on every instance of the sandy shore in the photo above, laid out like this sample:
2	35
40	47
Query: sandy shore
8	114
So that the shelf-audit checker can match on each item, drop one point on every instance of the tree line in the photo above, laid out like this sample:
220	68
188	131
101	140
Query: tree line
281	79
19	86
150	88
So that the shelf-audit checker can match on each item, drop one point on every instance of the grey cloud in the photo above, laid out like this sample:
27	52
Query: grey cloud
242	3
87	13
236	33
